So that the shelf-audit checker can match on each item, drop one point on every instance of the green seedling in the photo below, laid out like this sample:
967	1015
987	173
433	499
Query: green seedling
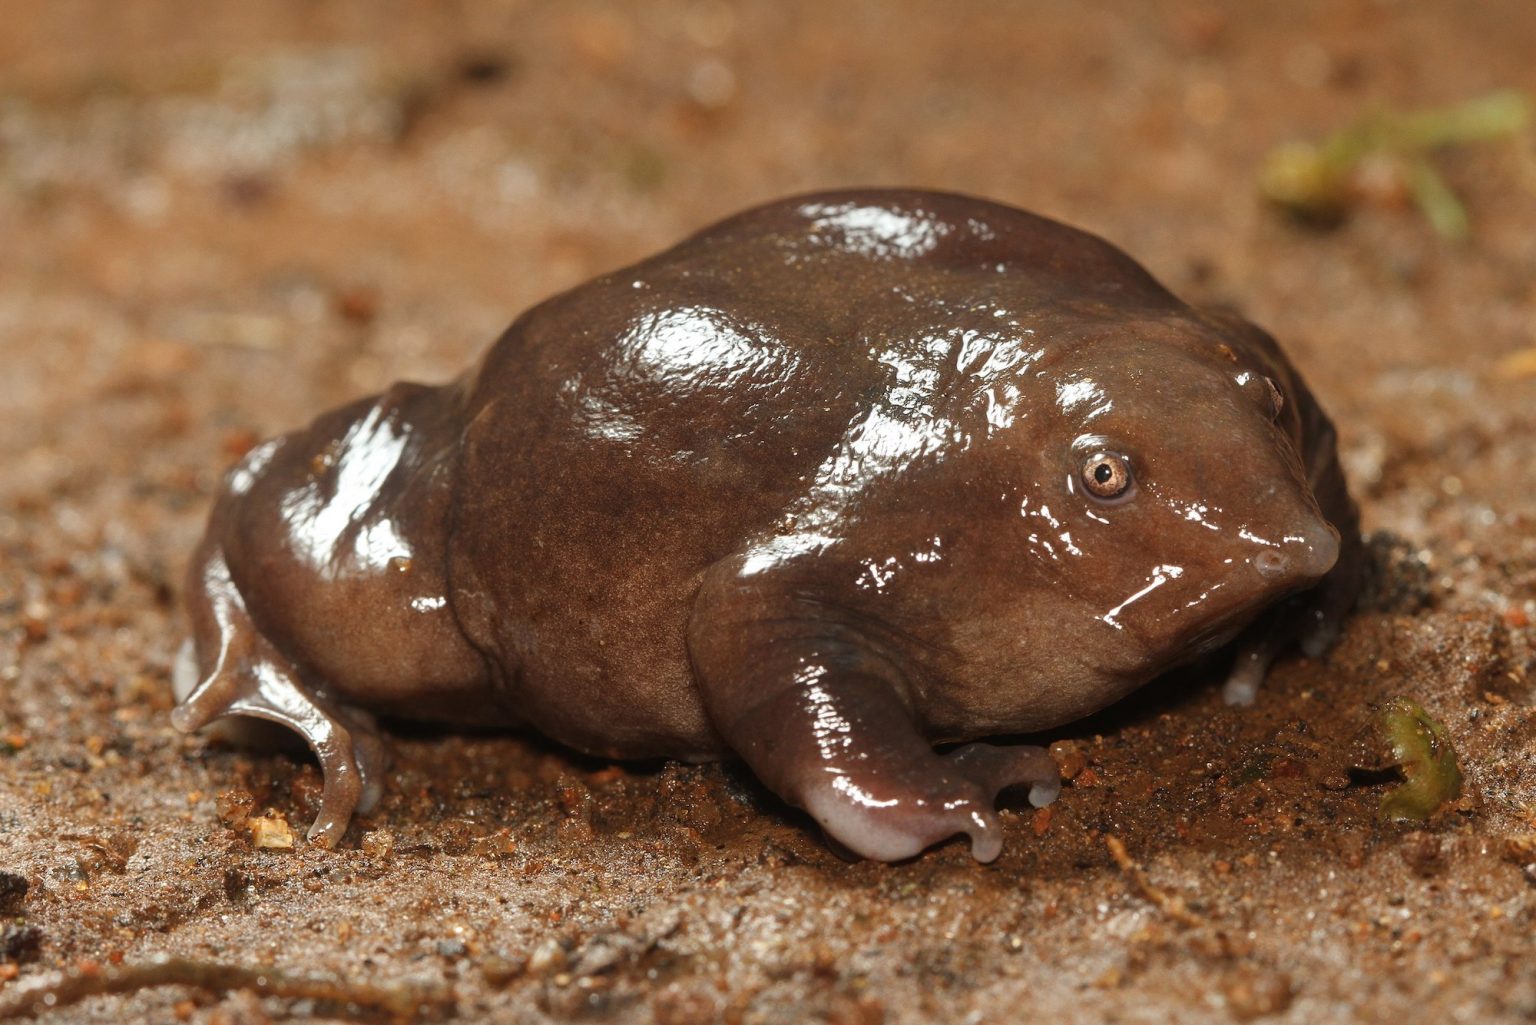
1422	751
1317	182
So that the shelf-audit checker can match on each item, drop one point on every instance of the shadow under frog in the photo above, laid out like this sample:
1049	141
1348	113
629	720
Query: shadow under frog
841	478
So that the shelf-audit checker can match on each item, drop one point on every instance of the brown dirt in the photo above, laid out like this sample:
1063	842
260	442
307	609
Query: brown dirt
218	219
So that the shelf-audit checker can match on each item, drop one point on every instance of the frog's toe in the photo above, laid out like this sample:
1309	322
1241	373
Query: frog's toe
206	700
1242	686
995	769
371	756
1312	621
1324	619
344	787
1256	652
1320	634
348	746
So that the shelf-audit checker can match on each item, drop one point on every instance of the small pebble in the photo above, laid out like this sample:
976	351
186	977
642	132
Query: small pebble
1256	994
548	956
271	832
1070	758
501	971
378	844
233	807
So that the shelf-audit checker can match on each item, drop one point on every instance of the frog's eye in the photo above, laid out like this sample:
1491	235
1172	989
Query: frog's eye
1107	475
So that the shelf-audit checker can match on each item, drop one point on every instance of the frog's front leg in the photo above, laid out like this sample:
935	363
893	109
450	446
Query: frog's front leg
240	673
825	720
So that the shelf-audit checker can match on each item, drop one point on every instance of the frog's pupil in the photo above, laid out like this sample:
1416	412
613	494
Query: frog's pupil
1102	473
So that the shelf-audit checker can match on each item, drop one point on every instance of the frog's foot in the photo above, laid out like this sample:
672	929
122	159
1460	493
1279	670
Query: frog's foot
348	745
1256	651
891	817
249	677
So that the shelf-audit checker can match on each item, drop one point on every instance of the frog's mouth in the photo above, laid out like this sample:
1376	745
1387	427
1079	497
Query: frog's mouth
1214	638
1228	624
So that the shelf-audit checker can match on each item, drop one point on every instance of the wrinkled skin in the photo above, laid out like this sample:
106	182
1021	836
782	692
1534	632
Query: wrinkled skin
808	489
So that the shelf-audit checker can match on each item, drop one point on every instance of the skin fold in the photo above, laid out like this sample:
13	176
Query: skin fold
818	489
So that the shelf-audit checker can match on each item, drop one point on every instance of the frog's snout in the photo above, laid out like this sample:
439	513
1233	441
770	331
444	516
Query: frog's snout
1304	556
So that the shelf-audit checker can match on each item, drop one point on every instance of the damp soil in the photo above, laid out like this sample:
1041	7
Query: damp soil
218	219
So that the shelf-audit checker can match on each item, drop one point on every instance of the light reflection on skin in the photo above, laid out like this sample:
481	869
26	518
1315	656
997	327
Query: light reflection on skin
1043	545
874	231
602	419
1195	512
832	731
672	347
1071	395
880	573
879	446
785	548
1205	595
1160	575
916	385
253	466
1248	535
365	457
932	554
1000	407
834	737
845	785
905	425
676	344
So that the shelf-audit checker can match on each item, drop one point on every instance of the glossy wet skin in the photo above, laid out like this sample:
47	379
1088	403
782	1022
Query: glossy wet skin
835	480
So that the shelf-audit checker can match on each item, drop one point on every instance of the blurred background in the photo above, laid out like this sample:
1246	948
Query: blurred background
380	186
220	217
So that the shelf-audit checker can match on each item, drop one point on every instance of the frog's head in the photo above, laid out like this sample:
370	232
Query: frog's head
1154	501
1169	496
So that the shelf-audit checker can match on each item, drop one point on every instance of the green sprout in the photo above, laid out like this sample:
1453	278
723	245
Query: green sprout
1315	182
1422	751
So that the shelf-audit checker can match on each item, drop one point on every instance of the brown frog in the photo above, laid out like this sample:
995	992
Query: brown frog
834	481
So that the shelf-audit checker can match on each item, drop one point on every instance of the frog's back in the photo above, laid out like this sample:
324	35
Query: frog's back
626	435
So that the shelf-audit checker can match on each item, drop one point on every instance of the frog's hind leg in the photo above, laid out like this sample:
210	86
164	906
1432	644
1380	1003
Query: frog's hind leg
243	674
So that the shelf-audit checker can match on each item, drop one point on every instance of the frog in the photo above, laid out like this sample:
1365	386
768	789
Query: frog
845	487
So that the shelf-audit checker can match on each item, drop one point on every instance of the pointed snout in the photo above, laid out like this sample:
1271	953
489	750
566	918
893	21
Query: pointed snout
1304	556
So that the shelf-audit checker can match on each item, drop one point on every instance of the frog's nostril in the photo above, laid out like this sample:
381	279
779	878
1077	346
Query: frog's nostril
1306	556
1271	563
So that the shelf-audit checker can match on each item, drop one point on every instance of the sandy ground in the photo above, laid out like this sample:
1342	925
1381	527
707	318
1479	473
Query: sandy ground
218	219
